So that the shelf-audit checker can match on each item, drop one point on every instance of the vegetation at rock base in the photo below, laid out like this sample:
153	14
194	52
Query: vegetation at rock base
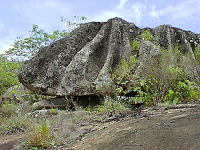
9	71
41	136
165	83
148	36
197	56
14	116
111	108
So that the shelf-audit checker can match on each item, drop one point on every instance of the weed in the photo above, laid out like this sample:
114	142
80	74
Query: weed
111	107
135	47
8	108
54	111
15	123
148	36
40	136
166	81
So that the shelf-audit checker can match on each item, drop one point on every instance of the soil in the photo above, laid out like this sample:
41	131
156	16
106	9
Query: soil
171	129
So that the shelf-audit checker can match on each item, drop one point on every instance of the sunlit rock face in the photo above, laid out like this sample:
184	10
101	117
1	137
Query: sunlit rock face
82	63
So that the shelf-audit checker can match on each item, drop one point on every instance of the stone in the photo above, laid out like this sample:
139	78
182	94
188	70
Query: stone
17	94
40	113
57	102
81	64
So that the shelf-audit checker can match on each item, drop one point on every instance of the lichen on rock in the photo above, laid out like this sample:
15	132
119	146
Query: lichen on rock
83	62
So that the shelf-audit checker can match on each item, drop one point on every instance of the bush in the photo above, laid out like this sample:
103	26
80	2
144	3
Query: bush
152	91
111	107
167	81
135	47
15	123
40	136
9	71
197	53
182	91
8	108
172	88
148	36
124	74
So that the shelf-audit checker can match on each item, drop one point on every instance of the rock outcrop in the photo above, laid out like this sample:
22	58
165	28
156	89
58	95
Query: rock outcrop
82	63
58	102
17	94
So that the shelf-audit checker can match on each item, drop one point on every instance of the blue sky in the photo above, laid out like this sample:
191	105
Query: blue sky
18	16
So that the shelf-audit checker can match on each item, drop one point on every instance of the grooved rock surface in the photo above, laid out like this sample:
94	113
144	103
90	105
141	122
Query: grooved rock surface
82	63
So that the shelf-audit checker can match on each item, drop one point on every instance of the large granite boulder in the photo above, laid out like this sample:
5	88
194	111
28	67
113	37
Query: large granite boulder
82	63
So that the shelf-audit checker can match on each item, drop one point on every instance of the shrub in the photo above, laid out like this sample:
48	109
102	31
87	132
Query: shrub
40	136
166	81
197	53
111	107
135	47
182	91
124	74
9	108
15	123
148	36
173	88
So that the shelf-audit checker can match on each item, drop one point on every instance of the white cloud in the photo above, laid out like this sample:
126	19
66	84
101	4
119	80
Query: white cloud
105	15
1	27
122	4
45	13
138	9
132	12
5	43
182	12
154	13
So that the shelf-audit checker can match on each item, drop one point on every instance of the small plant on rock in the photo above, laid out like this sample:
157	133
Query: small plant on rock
124	75
148	36
111	107
135	47
8	108
15	123
41	137
54	111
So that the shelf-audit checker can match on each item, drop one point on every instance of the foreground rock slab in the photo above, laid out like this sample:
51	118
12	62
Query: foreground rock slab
168	129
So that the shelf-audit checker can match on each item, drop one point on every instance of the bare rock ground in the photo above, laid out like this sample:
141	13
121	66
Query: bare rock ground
174	129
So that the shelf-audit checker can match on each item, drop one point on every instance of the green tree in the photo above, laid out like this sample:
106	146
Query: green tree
8	71
73	22
26	48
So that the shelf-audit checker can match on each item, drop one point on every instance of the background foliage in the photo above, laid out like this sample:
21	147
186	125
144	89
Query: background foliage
9	71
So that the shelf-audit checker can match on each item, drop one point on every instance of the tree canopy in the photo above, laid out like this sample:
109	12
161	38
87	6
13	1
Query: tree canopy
26	48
